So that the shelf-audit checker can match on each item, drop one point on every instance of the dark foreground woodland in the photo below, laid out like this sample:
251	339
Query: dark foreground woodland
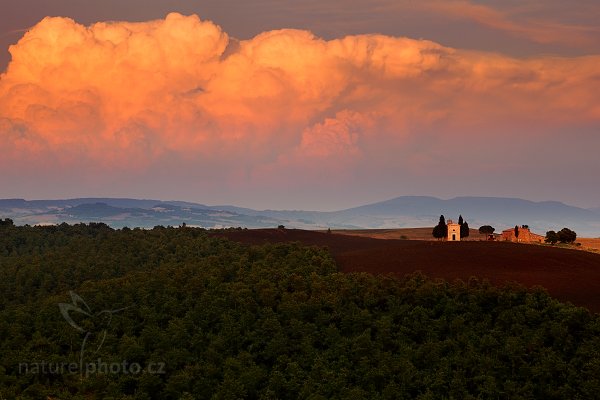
204	317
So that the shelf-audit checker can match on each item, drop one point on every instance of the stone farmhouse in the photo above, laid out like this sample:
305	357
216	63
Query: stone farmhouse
525	235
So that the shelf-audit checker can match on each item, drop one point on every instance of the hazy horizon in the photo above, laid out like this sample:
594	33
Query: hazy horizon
261	208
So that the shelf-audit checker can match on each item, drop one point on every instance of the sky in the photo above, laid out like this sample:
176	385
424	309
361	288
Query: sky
300	104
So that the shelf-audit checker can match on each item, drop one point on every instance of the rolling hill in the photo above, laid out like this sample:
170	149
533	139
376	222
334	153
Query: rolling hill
568	275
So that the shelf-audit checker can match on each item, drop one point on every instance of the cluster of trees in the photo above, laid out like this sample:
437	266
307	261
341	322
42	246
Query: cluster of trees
272	322
6	222
440	231
565	235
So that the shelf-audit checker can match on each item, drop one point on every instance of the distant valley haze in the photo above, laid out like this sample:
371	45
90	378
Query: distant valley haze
400	212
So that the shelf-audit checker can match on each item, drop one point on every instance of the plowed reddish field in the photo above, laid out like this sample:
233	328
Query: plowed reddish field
568	275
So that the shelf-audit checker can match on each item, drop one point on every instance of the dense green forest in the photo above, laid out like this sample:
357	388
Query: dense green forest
179	313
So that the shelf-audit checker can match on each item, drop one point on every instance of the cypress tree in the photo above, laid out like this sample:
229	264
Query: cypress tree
440	231
464	229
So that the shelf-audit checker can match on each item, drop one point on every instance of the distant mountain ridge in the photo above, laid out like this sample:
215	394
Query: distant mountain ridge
401	212
499	212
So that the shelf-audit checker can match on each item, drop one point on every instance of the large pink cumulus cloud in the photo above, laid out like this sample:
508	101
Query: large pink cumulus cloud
124	96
